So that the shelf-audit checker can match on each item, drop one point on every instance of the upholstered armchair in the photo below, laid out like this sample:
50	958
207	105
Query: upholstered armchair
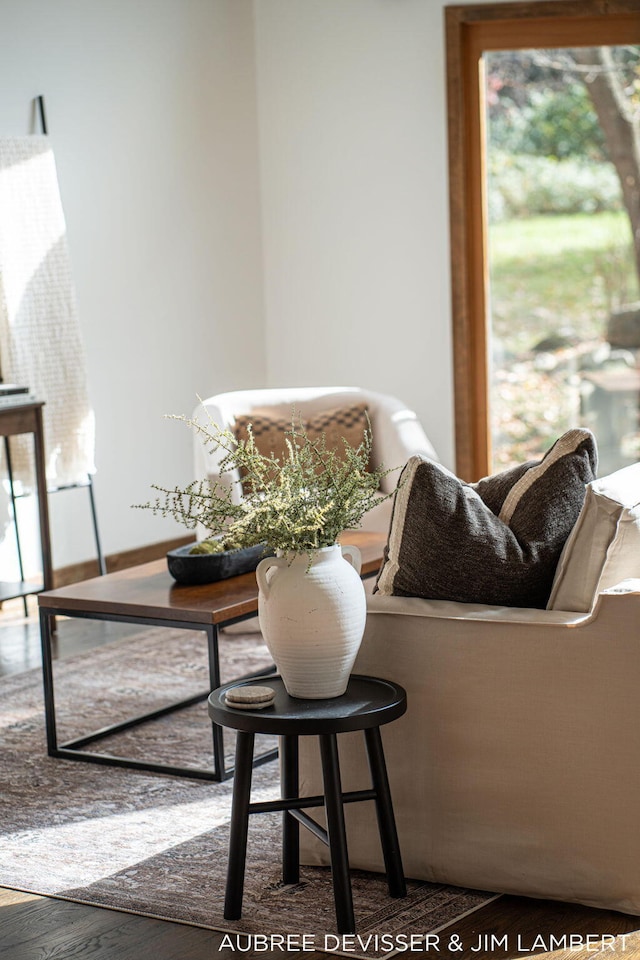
515	768
396	431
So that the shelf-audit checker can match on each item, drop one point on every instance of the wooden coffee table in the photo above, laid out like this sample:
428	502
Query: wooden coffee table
147	594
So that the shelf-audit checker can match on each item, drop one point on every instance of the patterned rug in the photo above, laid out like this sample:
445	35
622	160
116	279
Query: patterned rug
157	845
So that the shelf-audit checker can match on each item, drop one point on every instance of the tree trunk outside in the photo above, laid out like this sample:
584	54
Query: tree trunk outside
620	128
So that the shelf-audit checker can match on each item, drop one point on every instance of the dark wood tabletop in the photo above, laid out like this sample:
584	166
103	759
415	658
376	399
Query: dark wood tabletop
367	702
148	590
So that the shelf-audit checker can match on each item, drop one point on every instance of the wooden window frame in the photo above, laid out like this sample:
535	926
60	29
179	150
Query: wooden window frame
471	30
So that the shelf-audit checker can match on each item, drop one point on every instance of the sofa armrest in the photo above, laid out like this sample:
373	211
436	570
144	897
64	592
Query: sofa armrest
453	610
621	600
206	462
631	585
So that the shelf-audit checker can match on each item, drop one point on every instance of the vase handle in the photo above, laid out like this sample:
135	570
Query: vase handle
262	573
353	555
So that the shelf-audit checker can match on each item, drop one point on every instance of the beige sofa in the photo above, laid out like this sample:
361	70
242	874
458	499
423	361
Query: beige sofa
517	766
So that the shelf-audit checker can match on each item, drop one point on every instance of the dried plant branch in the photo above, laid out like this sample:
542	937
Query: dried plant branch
295	504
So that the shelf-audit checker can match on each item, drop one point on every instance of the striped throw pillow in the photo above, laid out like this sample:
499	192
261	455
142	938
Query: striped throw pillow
497	541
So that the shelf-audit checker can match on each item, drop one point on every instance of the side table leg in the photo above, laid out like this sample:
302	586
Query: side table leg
239	825
14	513
47	678
290	826
43	503
384	812
337	833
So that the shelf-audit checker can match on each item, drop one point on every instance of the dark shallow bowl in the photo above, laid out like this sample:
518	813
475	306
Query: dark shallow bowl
191	569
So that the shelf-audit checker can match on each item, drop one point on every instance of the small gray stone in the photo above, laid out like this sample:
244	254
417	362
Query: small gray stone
250	706
249	696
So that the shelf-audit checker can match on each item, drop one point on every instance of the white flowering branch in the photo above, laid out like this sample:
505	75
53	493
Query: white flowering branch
295	504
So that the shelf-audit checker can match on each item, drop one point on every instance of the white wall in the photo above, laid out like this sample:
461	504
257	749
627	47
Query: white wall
207	226
353	148
152	113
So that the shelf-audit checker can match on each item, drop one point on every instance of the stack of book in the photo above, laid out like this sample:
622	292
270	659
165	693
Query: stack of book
13	395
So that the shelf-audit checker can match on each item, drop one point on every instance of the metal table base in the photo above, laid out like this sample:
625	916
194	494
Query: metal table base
73	749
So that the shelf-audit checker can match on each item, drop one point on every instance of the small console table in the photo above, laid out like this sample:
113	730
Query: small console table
24	418
367	704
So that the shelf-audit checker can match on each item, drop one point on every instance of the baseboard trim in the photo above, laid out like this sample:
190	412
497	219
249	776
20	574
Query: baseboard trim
76	572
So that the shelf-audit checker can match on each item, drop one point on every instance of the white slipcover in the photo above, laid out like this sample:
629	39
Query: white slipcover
515	768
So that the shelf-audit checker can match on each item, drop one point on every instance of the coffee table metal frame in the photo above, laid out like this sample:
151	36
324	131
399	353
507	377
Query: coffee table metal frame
92	600
73	749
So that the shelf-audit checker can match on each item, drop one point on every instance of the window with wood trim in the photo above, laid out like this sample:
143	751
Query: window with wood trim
553	30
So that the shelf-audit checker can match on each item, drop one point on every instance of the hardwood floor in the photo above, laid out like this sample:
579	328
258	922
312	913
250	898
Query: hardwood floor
36	927
20	636
40	928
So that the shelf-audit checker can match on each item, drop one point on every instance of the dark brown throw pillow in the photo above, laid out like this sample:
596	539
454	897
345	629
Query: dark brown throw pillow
337	424
497	541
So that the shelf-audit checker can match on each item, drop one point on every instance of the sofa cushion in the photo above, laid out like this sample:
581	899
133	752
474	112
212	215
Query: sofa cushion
604	546
337	424
497	541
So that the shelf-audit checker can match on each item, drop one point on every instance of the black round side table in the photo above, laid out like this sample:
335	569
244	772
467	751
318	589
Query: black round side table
367	704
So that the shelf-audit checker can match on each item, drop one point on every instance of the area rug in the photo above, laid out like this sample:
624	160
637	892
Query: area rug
157	845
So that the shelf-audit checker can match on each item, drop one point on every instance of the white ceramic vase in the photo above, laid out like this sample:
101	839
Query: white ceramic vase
312	618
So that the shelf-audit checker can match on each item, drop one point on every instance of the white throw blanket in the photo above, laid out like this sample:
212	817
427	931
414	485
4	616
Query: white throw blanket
40	342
